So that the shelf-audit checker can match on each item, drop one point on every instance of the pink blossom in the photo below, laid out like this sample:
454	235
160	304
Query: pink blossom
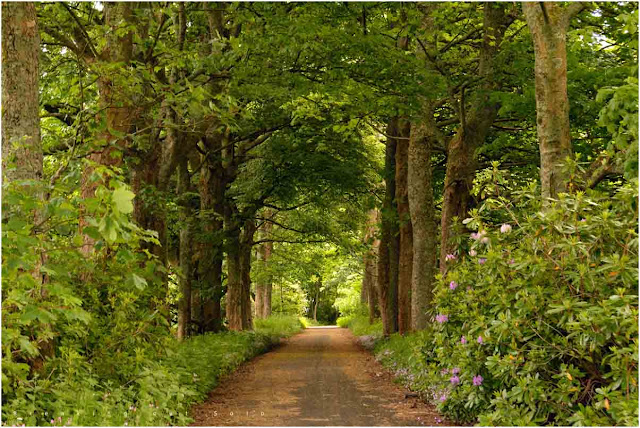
463	340
473	253
453	285
477	380
454	380
450	257
442	318
480	340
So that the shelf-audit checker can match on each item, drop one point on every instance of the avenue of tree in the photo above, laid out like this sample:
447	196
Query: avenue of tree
185	148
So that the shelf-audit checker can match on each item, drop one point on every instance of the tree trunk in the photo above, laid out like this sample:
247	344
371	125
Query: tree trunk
21	147
548	23
389	242
186	254
268	290
246	244
420	193
315	308
234	272
211	214
259	304
263	285
369	280
405	256
364	288
461	161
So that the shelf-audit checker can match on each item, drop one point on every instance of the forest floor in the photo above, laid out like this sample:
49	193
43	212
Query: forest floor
318	377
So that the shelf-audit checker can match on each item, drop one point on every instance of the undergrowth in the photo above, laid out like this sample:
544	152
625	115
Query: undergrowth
359	325
536	319
160	393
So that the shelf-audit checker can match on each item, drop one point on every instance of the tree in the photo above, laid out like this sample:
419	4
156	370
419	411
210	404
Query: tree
406	252
421	205
264	283
475	121
388	250
548	23
21	147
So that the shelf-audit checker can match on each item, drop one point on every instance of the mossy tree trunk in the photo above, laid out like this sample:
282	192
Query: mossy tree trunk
421	204
548	23
405	253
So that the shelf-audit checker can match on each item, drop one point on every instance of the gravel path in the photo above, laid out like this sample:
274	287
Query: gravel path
318	377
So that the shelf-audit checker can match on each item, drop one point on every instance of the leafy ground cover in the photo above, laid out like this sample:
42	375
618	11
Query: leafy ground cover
359	325
157	393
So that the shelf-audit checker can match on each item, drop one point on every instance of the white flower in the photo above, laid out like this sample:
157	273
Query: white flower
505	228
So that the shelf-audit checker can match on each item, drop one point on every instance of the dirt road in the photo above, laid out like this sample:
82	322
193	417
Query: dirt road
318	377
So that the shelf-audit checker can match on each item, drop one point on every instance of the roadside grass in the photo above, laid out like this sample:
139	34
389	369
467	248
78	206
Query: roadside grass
158	392
359	325
308	322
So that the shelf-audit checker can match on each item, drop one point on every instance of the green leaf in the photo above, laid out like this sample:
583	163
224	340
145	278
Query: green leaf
27	347
122	200
138	281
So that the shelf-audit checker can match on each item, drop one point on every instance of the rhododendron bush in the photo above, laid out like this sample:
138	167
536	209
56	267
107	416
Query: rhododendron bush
536	318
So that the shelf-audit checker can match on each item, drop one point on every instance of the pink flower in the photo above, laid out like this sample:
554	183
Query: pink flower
477	380
505	228
454	380
479	235
463	340
455	370
450	257
453	285
442	318
485	240
482	260
473	253
480	340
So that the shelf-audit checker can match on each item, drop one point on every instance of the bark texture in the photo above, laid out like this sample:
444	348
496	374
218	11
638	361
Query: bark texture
389	242
405	253
369	279
186	254
21	147
246	244
211	213
548	23
234	272
264	286
420	195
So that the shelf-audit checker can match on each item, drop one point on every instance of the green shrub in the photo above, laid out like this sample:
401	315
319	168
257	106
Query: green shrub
279	325
308	322
359	325
535	322
156	393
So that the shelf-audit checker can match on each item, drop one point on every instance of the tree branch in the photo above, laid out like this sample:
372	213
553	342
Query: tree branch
84	33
